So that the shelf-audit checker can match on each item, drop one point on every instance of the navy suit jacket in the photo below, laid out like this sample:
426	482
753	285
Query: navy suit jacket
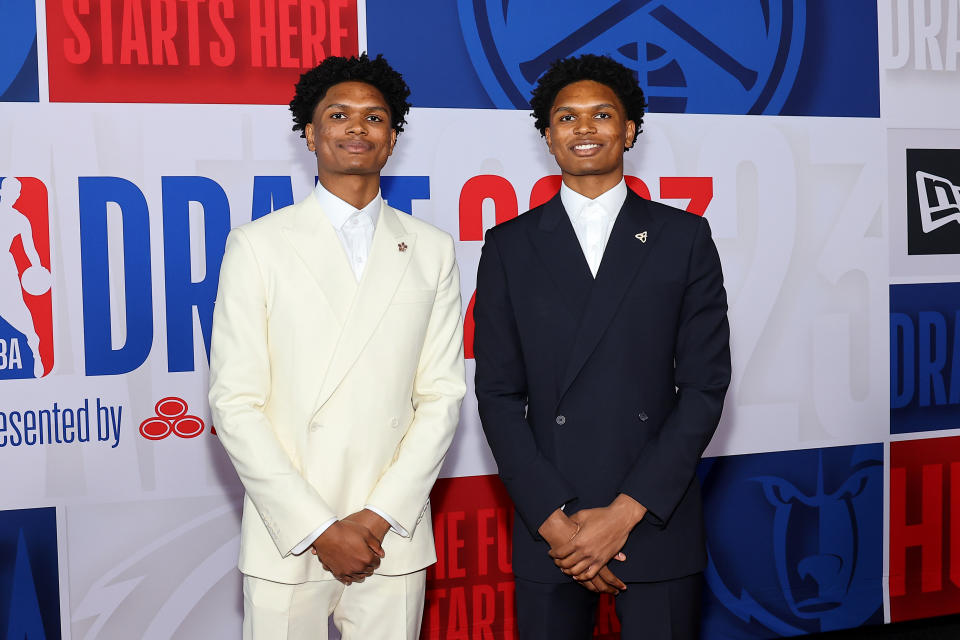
588	388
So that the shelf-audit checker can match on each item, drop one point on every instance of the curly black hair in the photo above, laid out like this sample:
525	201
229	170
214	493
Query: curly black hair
602	69
333	70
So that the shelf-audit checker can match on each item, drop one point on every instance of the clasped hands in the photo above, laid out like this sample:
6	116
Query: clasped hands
351	548
582	545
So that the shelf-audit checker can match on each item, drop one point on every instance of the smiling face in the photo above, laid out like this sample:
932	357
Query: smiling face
350	132
587	135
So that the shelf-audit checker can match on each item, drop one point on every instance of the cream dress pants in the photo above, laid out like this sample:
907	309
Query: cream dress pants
379	608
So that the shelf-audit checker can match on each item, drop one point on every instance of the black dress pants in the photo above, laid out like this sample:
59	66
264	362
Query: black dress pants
668	610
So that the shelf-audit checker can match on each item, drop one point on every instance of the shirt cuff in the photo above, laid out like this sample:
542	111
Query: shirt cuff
305	544
394	525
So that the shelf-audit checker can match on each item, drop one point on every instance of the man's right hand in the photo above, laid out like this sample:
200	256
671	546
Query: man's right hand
349	551
557	530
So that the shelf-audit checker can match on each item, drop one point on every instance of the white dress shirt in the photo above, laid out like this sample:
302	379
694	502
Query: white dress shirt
355	230
593	220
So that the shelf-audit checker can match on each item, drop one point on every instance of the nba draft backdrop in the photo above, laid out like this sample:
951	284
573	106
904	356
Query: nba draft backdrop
821	139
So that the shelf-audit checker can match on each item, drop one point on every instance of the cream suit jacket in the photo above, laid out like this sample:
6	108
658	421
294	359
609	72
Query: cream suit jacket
329	395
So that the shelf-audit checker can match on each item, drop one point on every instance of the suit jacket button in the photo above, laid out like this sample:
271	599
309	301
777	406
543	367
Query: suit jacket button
643	416
315	426
561	420
394	423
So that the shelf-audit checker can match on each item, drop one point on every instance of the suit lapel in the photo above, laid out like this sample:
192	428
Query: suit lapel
381	277
622	259
557	247
316	243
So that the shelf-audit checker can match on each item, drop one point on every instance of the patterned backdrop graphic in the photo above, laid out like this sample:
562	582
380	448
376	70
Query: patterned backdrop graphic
810	559
772	57
924	357
29	578
819	138
19	81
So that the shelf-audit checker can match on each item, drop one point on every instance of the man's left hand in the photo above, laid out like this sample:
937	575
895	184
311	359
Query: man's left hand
372	521
602	534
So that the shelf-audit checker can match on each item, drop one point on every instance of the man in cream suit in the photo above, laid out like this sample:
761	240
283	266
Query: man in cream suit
336	375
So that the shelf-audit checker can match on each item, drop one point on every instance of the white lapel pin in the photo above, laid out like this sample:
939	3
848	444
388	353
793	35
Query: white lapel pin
642	236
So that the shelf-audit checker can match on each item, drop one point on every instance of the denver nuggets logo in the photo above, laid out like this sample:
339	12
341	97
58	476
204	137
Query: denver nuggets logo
738	57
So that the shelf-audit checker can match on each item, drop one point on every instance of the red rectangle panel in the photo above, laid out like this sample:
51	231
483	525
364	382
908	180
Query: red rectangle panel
191	51
924	528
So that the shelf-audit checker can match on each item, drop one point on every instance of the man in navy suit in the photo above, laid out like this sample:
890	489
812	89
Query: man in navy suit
602	355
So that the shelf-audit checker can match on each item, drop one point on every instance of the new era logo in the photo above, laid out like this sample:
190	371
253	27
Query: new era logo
26	317
933	201
938	198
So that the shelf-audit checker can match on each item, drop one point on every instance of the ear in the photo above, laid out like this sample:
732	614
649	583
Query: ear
308	134
631	132
546	134
393	140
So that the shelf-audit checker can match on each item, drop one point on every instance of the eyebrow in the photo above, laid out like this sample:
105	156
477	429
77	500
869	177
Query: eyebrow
340	105
602	105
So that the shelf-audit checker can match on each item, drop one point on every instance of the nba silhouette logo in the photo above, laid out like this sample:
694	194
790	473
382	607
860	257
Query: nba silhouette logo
26	302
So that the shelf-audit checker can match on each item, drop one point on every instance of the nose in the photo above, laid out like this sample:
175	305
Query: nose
357	126
584	125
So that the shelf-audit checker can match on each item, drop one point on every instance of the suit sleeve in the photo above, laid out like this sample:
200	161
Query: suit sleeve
438	389
666	466
239	387
535	485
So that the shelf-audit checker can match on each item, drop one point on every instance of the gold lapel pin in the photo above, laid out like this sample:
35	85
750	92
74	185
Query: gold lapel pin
642	236
402	247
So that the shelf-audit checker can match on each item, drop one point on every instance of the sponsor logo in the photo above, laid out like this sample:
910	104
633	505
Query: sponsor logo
923	35
924	357
924	528
933	201
172	418
221	51
29	578
811	559
18	52
26	307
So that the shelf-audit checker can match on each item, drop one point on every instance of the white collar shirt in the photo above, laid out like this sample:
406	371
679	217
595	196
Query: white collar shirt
354	228
593	220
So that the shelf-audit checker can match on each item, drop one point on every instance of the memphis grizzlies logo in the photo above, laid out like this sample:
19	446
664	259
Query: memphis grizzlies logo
810	559
737	57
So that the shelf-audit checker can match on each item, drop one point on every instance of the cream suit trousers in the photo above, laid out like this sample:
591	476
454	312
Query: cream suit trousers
379	608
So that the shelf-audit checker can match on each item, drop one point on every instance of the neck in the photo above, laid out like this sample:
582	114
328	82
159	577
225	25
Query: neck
592	186
357	191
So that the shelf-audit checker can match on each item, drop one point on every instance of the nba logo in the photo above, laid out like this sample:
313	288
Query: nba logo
26	303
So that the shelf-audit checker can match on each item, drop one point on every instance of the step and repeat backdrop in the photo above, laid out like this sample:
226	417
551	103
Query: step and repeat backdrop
821	139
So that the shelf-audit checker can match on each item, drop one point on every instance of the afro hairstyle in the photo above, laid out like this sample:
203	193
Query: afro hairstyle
377	72
602	69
